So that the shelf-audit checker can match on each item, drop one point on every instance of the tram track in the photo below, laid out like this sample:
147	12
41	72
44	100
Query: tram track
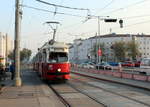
109	91
87	95
70	96
60	97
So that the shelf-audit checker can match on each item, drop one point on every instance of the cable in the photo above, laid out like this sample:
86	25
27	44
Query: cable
50	11
106	6
137	23
131	17
133	24
134	4
61	6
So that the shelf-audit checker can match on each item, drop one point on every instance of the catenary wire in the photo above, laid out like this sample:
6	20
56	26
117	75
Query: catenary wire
105	6
61	5
39	9
128	6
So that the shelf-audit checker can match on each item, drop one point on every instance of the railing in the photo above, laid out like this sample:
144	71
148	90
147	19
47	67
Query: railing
115	73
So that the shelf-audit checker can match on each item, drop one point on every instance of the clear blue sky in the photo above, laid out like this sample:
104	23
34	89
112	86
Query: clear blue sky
34	32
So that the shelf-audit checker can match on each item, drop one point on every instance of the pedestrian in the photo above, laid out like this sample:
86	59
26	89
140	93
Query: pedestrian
2	71
12	70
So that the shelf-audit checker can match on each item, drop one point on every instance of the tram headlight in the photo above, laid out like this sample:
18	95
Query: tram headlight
59	70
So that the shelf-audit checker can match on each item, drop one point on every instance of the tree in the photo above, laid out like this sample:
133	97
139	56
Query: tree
24	55
11	55
132	48
119	49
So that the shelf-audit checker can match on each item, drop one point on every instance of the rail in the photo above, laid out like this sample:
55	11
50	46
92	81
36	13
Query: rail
106	90
60	97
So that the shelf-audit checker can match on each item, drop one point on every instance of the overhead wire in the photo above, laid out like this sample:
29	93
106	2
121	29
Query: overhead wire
128	6
39	9
138	16
142	22
61	5
105	6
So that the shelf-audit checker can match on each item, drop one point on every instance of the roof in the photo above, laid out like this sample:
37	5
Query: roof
120	35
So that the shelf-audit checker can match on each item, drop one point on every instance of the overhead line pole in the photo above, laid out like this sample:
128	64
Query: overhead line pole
6	54
17	44
99	57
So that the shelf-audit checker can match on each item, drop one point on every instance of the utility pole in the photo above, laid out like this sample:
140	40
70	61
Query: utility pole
106	19
6	54
17	44
99	57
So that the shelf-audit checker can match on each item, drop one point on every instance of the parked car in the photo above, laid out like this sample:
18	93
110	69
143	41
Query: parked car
145	66
113	63
137	63
87	65
104	65
128	64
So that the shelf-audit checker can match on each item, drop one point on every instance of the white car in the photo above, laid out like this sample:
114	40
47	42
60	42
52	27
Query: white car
145	66
86	65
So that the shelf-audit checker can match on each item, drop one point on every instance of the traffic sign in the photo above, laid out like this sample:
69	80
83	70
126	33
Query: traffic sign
99	52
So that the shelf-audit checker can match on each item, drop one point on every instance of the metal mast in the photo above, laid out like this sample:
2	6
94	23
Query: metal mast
18	14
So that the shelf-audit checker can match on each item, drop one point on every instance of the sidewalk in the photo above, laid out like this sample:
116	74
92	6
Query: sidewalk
33	93
136	83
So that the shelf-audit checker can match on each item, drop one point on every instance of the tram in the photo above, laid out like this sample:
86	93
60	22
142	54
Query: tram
51	61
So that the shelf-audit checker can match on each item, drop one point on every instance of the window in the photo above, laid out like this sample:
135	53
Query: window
56	57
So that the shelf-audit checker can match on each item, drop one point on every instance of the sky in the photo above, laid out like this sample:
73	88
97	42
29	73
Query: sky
34	32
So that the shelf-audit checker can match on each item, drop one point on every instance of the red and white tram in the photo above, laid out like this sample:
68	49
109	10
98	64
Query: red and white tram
51	61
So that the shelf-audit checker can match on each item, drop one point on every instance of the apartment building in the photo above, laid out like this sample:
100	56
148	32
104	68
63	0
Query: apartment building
6	46
80	51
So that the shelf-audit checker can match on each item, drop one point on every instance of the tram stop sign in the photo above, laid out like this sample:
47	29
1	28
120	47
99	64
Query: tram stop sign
99	52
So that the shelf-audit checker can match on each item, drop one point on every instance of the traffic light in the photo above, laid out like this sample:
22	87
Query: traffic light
121	23
110	20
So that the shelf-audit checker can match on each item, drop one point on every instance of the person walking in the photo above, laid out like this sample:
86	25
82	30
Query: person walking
12	70
2	72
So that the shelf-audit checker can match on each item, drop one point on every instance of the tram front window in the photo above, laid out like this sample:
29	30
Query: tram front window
58	57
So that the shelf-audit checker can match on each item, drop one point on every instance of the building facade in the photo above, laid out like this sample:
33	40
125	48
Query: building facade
80	51
6	46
